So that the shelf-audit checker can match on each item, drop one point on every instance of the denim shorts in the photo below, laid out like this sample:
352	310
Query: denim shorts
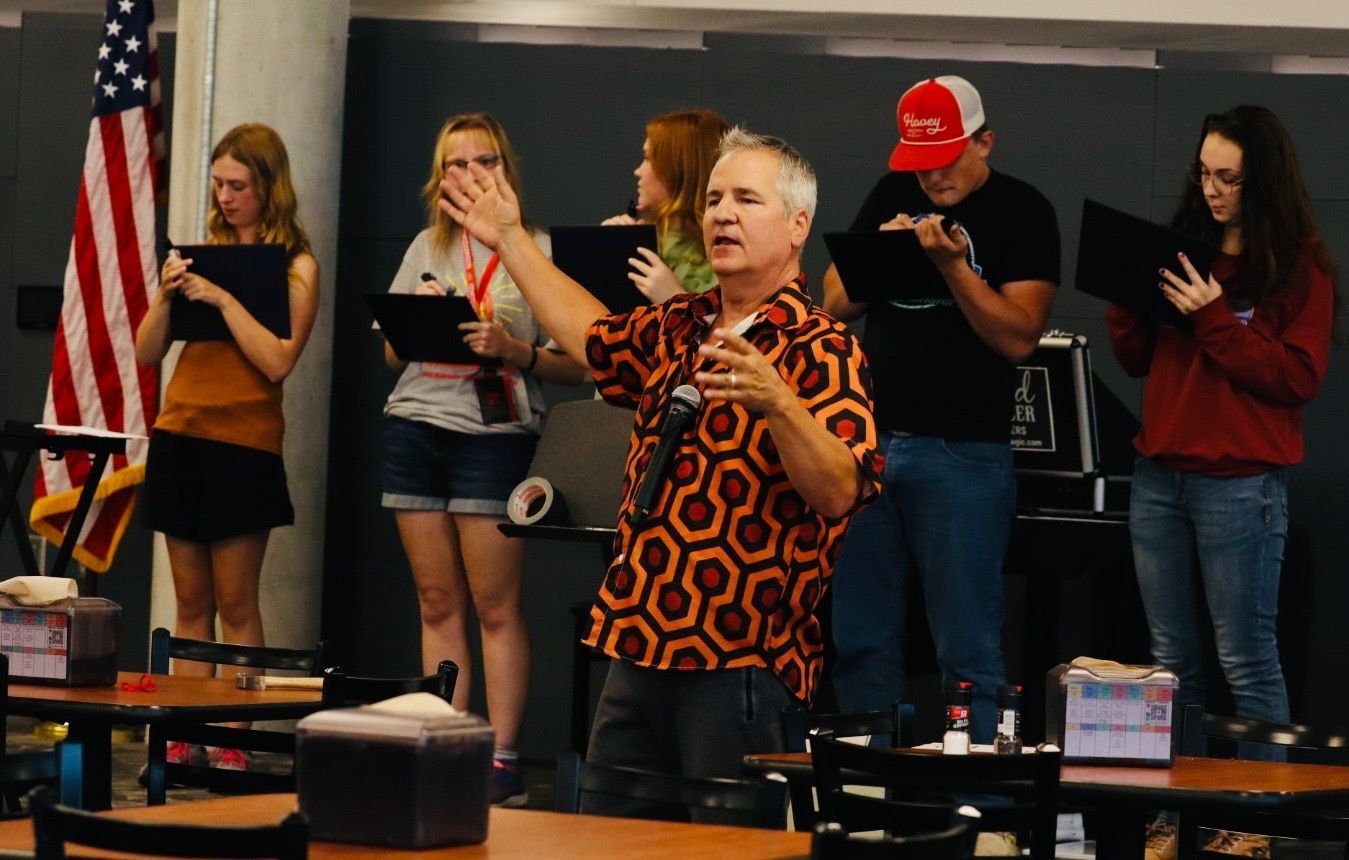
428	468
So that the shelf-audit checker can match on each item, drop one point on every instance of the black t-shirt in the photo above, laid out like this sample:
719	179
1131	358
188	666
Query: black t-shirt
933	375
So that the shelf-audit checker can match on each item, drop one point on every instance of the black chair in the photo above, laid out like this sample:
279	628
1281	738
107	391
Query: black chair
1325	742
953	841
1026	786
894	727
762	802
55	825
20	771
341	690
163	648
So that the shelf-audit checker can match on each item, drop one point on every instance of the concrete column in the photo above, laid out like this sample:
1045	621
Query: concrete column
283	64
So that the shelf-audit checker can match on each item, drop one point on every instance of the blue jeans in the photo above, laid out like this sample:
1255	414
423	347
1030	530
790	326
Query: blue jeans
1198	538
944	515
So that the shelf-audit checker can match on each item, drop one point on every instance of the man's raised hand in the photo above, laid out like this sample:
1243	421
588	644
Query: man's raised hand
481	201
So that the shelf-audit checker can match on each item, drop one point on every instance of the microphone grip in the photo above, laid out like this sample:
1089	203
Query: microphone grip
654	478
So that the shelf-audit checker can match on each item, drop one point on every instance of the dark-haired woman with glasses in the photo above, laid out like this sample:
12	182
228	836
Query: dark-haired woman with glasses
457	438
1222	408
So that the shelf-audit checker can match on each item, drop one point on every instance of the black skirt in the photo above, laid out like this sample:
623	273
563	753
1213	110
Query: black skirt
203	491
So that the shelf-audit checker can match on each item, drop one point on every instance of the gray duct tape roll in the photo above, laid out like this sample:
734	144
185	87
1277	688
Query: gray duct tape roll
535	501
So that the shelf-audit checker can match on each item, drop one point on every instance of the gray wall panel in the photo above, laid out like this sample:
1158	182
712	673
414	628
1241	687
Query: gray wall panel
575	115
1319	506
1312	106
9	97
54	97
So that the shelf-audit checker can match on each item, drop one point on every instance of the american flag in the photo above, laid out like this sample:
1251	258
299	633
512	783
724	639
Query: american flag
110	276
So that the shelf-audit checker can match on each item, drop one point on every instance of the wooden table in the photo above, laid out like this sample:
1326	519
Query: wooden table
512	833
1125	797
91	712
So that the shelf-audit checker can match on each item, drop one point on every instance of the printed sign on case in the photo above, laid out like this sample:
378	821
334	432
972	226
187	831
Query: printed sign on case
1117	721
1033	412
36	643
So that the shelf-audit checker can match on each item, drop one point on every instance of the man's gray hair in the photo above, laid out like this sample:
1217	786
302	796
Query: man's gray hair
796	180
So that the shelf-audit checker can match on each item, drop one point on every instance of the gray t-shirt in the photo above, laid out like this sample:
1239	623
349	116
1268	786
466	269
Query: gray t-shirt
444	394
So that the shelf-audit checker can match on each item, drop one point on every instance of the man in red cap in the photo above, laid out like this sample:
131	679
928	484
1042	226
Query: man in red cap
943	372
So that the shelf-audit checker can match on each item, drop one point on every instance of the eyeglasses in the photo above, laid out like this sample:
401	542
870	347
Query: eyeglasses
486	162
1223	180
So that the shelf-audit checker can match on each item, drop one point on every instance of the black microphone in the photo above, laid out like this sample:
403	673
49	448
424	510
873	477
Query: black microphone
684	403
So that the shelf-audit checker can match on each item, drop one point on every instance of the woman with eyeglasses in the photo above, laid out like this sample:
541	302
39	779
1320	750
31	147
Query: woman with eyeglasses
677	158
457	438
1222	408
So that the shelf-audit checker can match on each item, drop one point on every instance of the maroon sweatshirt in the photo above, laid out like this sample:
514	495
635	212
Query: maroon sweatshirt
1226	399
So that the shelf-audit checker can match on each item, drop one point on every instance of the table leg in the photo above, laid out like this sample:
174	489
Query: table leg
1119	834
87	762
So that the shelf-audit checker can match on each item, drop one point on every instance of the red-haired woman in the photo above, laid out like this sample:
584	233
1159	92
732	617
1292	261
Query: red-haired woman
677	158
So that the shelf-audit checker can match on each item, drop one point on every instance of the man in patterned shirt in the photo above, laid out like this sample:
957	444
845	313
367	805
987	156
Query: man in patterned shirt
708	607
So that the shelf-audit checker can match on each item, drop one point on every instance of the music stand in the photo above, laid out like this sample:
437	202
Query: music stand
581	453
24	439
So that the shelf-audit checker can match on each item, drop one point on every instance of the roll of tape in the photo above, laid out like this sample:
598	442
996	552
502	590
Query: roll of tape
535	501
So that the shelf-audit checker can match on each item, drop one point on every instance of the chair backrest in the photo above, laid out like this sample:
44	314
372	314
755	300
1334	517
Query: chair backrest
159	774
892	728
55	825
762	801
1197	728
164	646
955	841
341	690
1027	785
19	771
894	725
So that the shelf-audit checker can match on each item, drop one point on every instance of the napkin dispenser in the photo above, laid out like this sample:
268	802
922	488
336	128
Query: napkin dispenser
70	642
373	777
1102	712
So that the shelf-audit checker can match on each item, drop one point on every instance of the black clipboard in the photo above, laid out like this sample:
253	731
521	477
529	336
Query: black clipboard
881	265
426	328
1118	257
257	275
596	257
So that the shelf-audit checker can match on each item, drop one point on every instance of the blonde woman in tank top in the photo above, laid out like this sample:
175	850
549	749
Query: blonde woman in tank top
215	482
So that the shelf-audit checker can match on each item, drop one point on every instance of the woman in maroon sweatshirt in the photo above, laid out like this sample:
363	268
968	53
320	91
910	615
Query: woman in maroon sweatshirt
1222	408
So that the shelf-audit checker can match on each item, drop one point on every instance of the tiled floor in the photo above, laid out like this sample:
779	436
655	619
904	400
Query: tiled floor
128	755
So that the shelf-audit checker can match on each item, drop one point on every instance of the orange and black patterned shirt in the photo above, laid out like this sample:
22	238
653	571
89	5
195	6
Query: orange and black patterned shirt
729	566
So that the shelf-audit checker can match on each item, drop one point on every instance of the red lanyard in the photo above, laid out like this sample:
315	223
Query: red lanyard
477	290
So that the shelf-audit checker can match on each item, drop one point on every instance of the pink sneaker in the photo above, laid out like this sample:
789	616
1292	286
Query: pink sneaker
177	752
507	785
226	758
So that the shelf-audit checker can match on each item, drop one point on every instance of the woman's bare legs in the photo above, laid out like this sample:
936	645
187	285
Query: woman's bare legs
493	563
431	542
190	565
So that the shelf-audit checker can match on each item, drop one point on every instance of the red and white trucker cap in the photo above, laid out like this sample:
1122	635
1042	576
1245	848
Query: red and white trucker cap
935	118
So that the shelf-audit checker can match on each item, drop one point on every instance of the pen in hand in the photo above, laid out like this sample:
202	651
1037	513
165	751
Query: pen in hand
429	286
